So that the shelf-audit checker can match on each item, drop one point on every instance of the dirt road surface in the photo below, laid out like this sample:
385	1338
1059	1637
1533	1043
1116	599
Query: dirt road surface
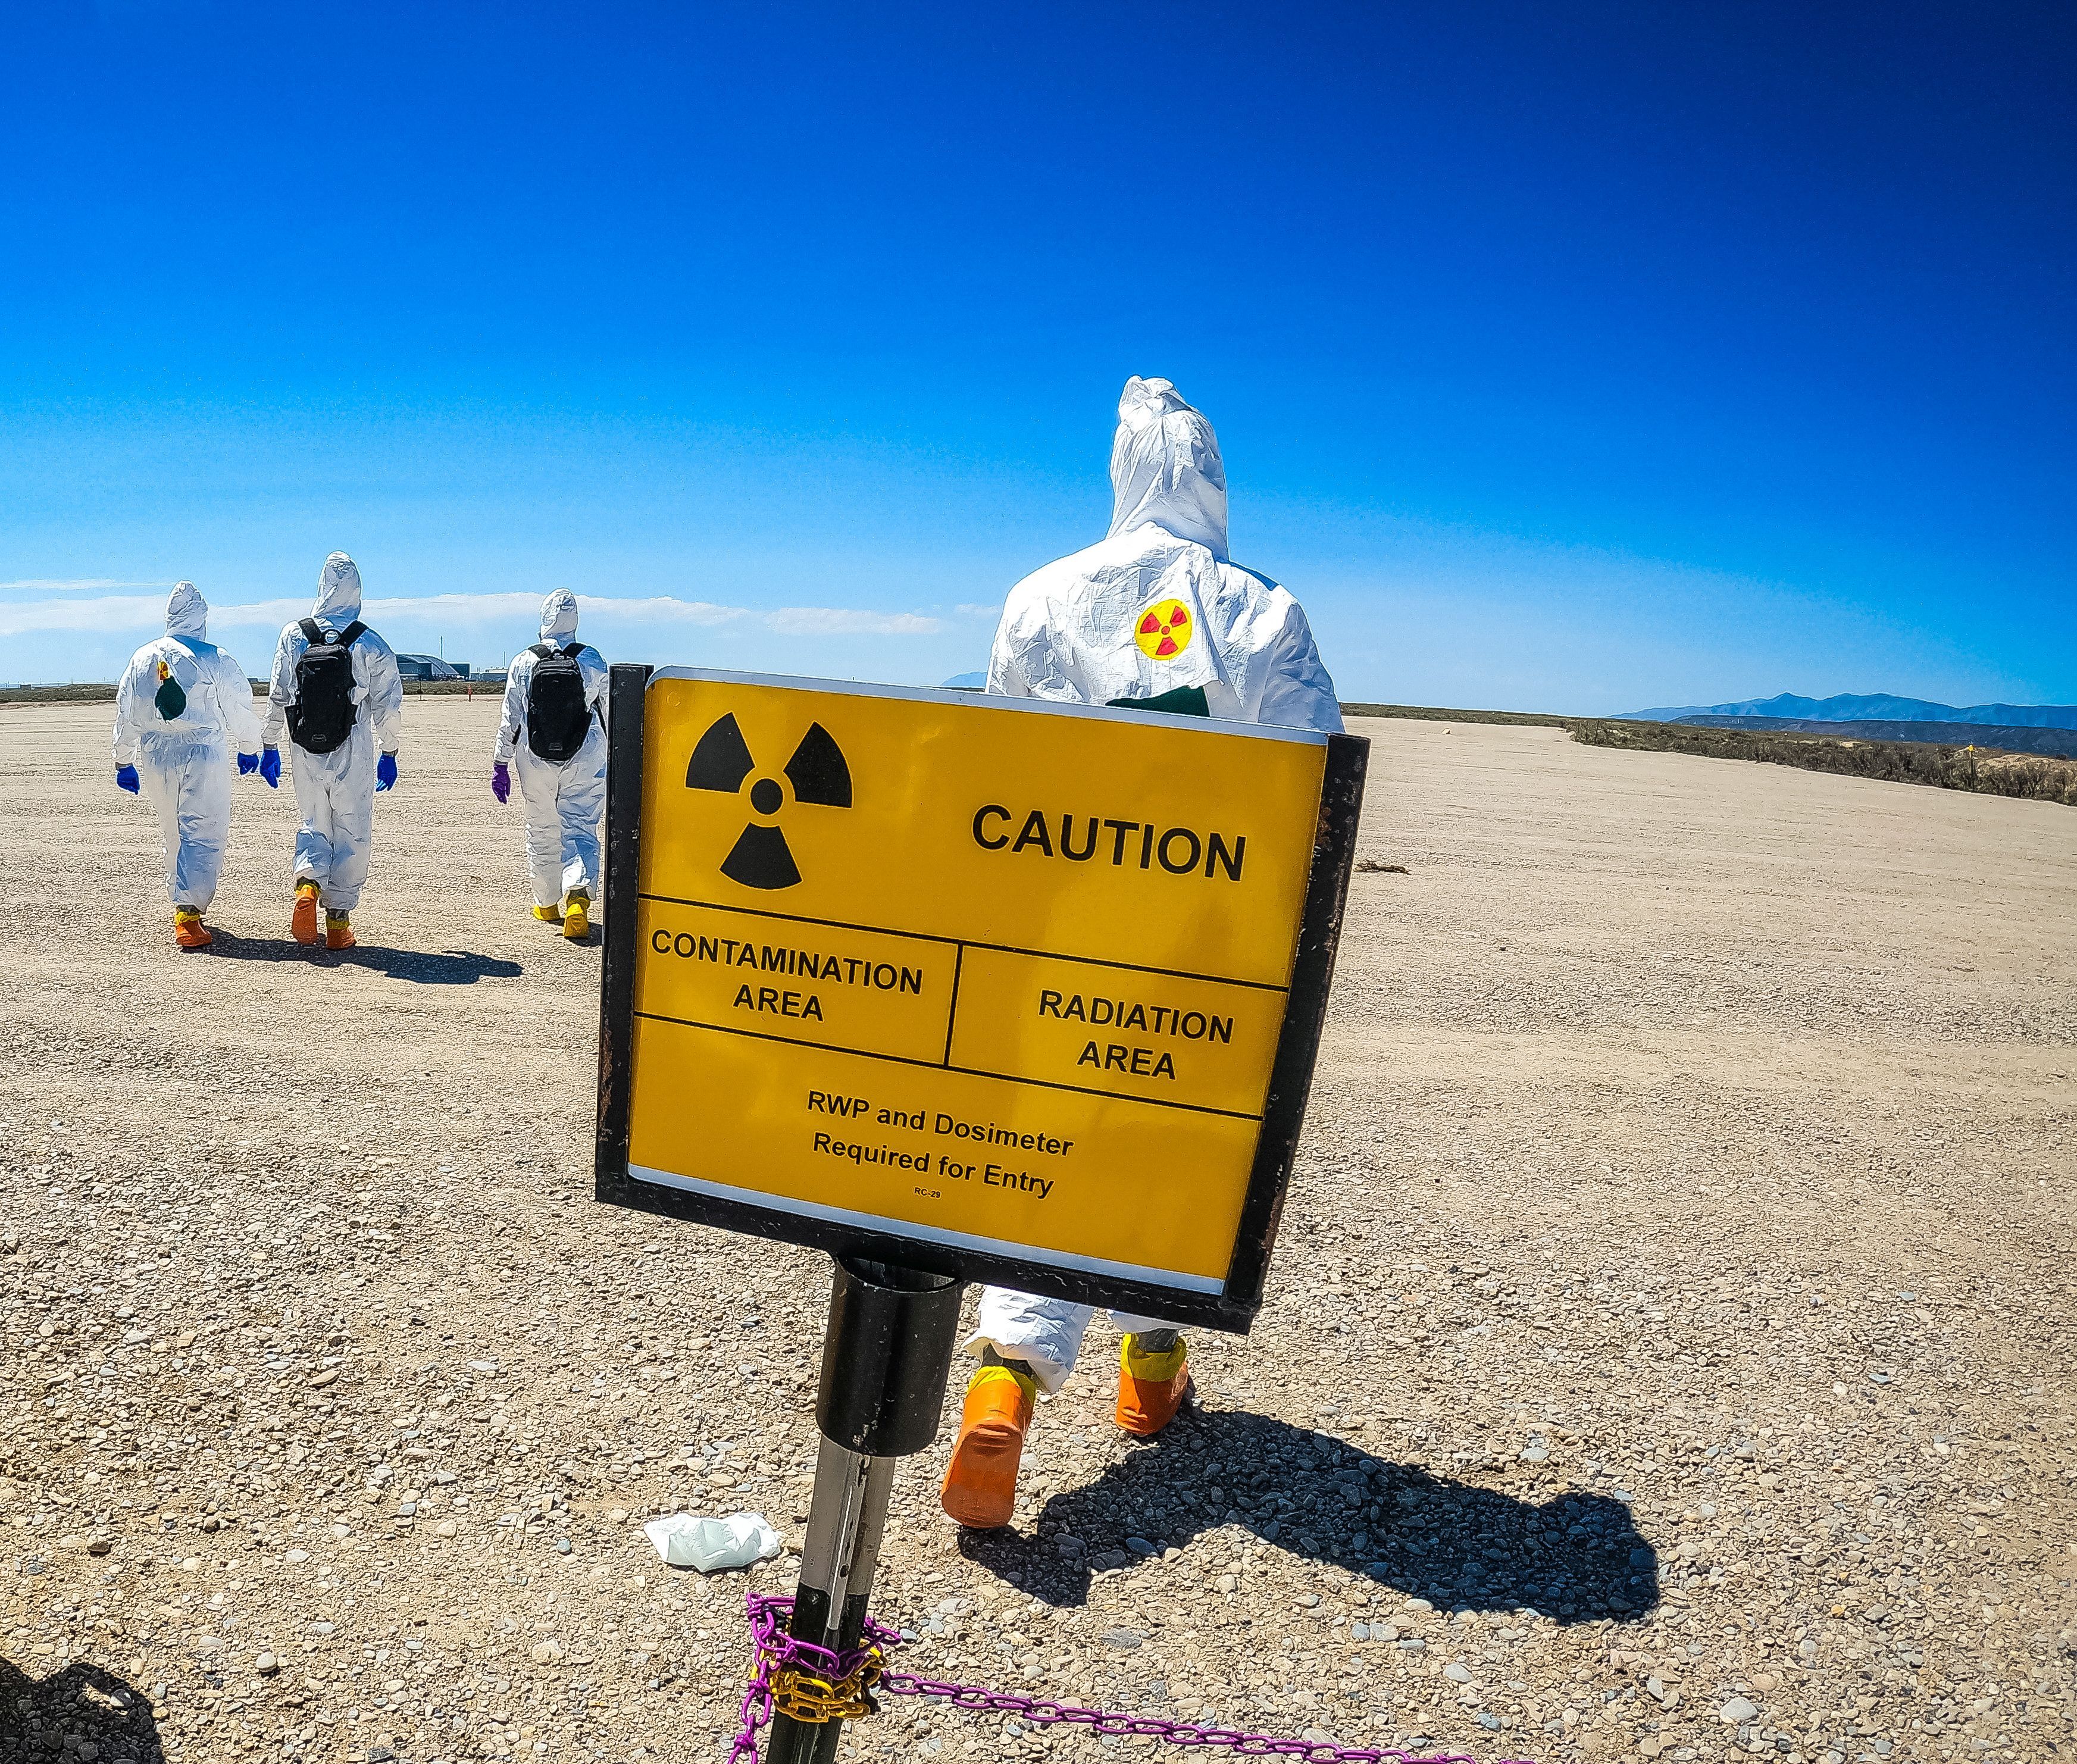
1668	1353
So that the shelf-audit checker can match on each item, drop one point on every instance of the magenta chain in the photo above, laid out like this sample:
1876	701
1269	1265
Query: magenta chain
775	1647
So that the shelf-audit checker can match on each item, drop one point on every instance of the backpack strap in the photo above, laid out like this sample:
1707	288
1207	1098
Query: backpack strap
313	633
346	638
543	651
575	649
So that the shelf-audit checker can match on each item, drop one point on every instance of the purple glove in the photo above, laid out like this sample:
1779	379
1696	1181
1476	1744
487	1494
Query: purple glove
500	781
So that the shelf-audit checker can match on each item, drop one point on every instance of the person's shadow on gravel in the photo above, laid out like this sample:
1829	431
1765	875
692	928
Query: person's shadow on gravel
1577	1559
77	1708
449	967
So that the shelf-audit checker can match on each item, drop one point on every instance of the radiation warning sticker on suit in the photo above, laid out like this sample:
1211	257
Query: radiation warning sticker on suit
1009	984
1164	630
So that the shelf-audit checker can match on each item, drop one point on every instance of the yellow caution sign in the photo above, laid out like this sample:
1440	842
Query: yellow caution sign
1008	989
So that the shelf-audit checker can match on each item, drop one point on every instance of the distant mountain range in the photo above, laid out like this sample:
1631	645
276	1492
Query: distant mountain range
1867	707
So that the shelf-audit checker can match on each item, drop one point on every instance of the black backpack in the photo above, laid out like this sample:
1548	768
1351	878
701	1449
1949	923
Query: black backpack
323	716
558	719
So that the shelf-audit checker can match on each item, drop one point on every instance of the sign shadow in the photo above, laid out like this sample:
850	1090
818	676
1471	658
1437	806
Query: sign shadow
1574	1558
80	1710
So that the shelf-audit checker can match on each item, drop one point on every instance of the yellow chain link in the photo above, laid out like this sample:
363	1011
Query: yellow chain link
814	1700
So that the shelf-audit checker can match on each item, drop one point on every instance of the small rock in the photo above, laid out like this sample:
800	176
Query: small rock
1737	1710
297	1556
1139	1546
1228	1582
545	1653
617	1516
445	1528
1125	1640
100	1543
1457	1672
266	1665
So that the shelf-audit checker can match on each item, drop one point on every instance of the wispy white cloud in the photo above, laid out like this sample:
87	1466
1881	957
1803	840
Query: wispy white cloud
826	621
979	609
78	585
112	615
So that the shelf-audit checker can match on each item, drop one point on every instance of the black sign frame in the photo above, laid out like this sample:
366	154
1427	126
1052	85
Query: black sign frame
1233	1308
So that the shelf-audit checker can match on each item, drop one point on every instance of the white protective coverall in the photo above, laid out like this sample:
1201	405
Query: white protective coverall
184	763
335	791
1103	625
565	802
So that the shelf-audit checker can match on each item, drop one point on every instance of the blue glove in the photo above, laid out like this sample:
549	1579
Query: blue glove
126	778
270	767
248	764
385	771
500	781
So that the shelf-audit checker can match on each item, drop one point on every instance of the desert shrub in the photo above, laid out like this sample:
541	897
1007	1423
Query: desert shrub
1897	762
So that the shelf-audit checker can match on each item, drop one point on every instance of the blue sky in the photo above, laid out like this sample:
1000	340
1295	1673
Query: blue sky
1578	358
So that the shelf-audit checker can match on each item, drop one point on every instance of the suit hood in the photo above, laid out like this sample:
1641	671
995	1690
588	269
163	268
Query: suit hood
187	613
339	591
1165	468
559	616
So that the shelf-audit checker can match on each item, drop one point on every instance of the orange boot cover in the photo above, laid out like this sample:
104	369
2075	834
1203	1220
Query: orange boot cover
1150	1386
338	932
980	1484
188	931
303	923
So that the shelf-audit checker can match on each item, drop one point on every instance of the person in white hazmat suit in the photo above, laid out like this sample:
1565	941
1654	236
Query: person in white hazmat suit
337	691
554	730
1155	616
183	708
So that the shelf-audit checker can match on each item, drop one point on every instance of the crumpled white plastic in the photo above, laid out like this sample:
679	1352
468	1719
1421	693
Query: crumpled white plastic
687	1541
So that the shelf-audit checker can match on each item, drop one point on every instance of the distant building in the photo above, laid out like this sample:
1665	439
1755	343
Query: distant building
429	668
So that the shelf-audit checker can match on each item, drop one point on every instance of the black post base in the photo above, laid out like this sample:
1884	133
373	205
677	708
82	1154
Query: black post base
885	1361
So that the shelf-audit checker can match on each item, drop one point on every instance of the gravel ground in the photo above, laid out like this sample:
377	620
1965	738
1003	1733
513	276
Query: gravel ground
1666	1354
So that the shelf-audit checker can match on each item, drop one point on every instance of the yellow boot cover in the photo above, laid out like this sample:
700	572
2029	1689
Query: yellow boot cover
576	916
188	931
549	915
980	1483
1150	1386
303	923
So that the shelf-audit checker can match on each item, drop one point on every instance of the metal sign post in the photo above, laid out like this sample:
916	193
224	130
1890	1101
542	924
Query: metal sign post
885	1360
957	989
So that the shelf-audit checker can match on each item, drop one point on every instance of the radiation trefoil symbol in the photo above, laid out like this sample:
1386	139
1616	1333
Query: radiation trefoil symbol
760	857
1163	631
